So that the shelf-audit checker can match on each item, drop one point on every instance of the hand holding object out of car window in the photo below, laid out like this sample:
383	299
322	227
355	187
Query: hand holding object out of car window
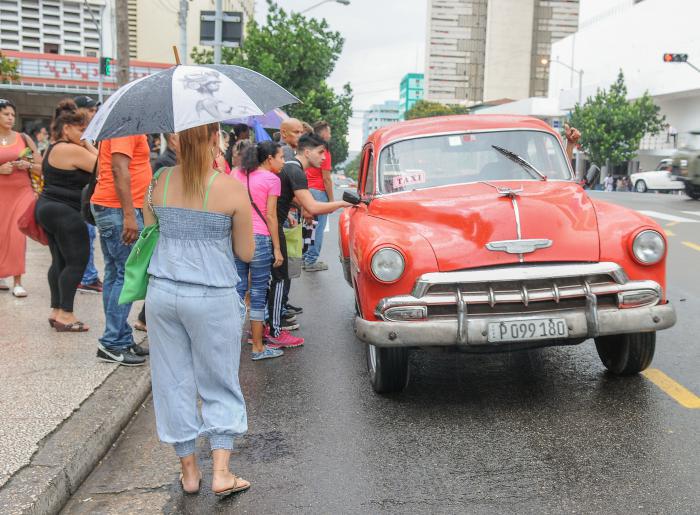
572	135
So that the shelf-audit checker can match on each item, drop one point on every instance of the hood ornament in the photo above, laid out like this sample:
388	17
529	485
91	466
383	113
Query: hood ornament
504	191
518	246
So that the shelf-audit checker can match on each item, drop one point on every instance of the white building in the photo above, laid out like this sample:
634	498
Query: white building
632	36
483	50
378	116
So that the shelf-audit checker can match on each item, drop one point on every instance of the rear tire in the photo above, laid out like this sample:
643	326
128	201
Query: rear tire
626	354
388	368
640	186
692	191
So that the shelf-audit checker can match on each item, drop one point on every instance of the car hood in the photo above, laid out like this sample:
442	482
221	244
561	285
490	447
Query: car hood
460	220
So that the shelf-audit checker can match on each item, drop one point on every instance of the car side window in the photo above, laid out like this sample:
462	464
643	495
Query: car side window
369	173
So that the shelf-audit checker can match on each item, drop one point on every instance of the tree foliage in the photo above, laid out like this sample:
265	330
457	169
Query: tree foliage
9	70
425	109
352	169
298	53
613	127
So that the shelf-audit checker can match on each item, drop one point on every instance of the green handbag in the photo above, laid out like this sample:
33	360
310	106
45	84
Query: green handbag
136	269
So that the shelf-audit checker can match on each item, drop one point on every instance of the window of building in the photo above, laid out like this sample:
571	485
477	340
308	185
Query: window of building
51	48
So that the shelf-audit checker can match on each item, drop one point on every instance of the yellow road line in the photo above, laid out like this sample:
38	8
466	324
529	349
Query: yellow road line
676	391
669	233
671	224
693	246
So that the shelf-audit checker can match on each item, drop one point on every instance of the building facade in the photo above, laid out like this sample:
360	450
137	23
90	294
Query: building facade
154	25
481	50
410	92
378	116
597	50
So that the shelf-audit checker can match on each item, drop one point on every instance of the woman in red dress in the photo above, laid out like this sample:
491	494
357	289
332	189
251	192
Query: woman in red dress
16	194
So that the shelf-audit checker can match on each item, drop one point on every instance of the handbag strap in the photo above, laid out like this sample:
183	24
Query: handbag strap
255	206
154	181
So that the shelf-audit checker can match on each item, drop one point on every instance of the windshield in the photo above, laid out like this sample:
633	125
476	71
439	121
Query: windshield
443	160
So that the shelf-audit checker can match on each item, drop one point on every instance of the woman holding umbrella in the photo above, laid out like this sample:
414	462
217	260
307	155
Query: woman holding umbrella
195	314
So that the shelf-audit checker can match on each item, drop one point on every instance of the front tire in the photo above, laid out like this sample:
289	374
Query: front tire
626	354
640	186
388	368
692	191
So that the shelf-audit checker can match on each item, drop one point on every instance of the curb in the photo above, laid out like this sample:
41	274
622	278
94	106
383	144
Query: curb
68	455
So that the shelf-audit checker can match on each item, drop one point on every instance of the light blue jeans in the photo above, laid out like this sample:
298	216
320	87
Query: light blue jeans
313	252
194	335
90	276
259	268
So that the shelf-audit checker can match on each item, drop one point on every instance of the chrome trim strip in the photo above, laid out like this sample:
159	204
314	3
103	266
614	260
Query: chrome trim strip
518	273
461	318
518	229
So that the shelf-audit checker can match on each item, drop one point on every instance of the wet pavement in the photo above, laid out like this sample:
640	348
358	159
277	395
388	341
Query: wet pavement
545	431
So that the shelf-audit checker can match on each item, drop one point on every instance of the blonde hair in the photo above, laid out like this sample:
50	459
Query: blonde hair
196	158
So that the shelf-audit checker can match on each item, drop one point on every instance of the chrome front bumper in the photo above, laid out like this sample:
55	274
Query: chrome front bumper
456	308
447	333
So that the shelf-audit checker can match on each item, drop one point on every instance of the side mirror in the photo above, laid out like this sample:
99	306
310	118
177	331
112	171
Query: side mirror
351	197
592	176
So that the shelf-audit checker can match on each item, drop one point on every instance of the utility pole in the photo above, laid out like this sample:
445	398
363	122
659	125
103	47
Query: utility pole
100	53
123	49
182	22
218	29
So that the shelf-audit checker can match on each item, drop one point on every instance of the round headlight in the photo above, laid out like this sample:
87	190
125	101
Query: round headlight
387	265
649	247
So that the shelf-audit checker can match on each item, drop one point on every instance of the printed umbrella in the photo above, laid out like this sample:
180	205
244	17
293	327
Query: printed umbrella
271	120
183	97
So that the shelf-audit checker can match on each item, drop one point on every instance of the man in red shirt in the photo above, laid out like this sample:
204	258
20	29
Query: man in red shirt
321	188
124	176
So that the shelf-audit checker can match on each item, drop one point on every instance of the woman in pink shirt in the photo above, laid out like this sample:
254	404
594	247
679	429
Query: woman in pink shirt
260	165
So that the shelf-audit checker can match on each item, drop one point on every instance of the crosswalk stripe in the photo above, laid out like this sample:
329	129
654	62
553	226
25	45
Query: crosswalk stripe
670	218
696	213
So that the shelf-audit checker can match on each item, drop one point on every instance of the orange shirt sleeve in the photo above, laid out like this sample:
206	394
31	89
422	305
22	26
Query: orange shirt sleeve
125	145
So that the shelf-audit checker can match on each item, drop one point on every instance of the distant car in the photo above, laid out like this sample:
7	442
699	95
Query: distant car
660	179
345	183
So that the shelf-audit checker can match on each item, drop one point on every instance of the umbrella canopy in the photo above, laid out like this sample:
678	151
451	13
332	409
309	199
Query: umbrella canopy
183	97
271	120
260	133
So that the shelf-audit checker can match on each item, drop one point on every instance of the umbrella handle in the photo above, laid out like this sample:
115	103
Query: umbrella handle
177	54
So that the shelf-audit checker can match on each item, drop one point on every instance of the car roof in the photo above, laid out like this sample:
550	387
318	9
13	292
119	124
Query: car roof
443	124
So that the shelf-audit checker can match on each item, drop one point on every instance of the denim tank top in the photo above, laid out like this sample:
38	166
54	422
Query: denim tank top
194	246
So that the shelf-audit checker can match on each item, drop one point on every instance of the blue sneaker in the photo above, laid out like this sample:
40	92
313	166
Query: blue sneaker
268	353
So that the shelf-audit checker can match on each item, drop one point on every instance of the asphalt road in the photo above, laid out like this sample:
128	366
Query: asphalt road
546	431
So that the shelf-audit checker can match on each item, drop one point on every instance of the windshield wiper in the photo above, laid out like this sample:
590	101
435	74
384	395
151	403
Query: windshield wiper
519	160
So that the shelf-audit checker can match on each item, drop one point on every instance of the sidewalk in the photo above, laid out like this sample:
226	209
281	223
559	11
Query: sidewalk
49	380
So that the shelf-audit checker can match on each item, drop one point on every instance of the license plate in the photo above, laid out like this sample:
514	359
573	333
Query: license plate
525	330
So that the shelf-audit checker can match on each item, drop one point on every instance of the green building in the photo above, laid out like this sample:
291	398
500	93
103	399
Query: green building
411	91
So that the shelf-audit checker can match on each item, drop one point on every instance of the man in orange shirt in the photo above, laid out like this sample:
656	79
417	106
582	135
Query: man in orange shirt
123	179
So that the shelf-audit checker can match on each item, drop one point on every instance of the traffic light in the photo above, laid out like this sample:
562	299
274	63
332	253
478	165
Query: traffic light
106	66
675	58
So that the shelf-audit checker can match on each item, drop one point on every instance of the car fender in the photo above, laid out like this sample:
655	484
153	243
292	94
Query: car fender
368	236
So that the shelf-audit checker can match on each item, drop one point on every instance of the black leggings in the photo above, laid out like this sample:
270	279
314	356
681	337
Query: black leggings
69	243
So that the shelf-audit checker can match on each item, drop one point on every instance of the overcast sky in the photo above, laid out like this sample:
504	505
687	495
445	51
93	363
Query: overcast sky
384	40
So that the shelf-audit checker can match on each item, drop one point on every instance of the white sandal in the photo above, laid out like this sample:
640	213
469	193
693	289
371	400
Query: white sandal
19	291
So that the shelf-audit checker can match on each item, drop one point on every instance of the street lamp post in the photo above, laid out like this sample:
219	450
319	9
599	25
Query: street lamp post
580	94
343	2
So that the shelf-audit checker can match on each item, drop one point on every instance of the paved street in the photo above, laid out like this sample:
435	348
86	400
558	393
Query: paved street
544	431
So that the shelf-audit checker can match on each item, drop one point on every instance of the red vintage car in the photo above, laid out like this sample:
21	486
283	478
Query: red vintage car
471	233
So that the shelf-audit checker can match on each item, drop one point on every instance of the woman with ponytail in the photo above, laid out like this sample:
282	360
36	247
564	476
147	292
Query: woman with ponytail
67	167
195	315
260	165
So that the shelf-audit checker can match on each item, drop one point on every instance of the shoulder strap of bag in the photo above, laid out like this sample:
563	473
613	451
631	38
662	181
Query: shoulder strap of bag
154	181
255	206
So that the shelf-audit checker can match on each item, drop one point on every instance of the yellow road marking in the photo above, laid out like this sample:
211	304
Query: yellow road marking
676	391
669	233
671	224
693	246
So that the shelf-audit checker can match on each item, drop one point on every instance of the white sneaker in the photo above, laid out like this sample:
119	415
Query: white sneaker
19	291
3	285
